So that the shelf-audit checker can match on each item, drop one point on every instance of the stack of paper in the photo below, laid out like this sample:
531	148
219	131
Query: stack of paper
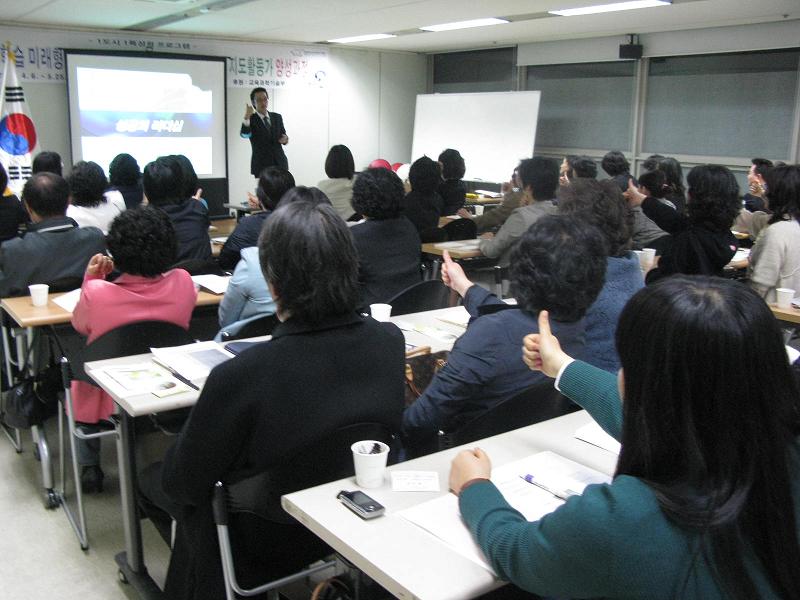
191	362
142	378
216	284
535	486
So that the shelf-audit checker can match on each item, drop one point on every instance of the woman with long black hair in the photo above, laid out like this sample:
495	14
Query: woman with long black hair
707	488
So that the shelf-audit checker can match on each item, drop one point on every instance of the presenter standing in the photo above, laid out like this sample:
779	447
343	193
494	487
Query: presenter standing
266	133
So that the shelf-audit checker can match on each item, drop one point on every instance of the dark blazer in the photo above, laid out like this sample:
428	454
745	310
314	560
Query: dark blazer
12	216
267	150
190	220
424	210
52	249
388	258
693	249
453	193
245	235
264	406
484	368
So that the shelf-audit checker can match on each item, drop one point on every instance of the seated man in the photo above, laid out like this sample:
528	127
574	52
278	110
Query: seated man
558	265
163	188
273	183
493	219
539	180
54	248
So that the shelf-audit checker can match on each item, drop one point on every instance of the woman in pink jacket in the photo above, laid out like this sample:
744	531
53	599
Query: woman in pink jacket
143	245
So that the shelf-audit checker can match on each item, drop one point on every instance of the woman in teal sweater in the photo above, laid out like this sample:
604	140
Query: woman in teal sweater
707	488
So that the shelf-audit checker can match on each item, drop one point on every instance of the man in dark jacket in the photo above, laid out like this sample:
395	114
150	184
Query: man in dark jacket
54	249
266	133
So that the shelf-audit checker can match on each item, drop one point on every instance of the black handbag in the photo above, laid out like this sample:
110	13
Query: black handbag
33	399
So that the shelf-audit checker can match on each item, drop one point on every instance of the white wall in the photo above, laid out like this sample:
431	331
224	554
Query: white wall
367	105
738	38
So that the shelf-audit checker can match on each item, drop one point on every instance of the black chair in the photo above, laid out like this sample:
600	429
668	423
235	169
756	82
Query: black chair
540	402
461	229
425	295
255	503
126	340
200	266
65	284
254	328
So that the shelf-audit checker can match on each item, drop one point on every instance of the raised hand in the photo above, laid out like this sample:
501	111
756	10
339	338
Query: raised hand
541	351
100	265
248	111
453	275
633	195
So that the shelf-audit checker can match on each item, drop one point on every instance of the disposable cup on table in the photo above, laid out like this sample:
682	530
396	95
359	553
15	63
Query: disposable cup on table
784	297
369	460
39	293
380	312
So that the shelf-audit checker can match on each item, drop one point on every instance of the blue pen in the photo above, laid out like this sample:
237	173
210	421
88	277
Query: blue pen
558	494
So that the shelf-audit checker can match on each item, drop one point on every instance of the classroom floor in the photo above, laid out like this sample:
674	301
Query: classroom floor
41	557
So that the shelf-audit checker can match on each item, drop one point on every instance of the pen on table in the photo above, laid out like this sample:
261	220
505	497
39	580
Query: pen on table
177	375
557	493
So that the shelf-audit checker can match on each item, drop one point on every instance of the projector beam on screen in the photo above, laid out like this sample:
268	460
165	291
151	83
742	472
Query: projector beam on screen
491	130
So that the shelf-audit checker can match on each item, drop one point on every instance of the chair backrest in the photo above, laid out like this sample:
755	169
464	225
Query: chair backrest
540	402
134	338
425	295
65	284
327	459
200	266
461	229
254	328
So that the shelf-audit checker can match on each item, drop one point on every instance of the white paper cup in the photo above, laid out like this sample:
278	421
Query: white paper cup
369	459
39	293
784	297
648	256
380	312
478	210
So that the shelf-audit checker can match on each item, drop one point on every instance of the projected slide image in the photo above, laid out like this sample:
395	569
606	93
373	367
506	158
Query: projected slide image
159	113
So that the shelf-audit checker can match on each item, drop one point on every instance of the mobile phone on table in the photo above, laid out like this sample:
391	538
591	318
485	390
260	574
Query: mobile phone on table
361	504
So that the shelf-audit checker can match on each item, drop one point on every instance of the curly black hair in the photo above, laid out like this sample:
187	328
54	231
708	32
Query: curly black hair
615	163
87	183
713	196
424	175
142	241
124	170
558	265
581	166
453	166
601	204
378	194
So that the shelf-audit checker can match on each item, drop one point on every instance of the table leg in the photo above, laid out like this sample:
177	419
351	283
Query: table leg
131	562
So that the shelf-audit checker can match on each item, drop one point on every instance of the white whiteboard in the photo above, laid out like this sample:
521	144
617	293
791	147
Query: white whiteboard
491	130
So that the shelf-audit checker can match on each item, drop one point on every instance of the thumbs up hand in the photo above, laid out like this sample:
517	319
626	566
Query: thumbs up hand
541	351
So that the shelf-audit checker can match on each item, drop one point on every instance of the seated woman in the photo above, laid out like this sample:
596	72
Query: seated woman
452	189
387	243
558	265
92	204
163	188
775	258
143	244
702	242
13	215
704	502
273	183
340	169
325	367
602	205
125	176
424	205
247	297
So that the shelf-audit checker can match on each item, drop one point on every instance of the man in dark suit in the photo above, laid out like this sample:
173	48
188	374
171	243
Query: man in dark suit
266	133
